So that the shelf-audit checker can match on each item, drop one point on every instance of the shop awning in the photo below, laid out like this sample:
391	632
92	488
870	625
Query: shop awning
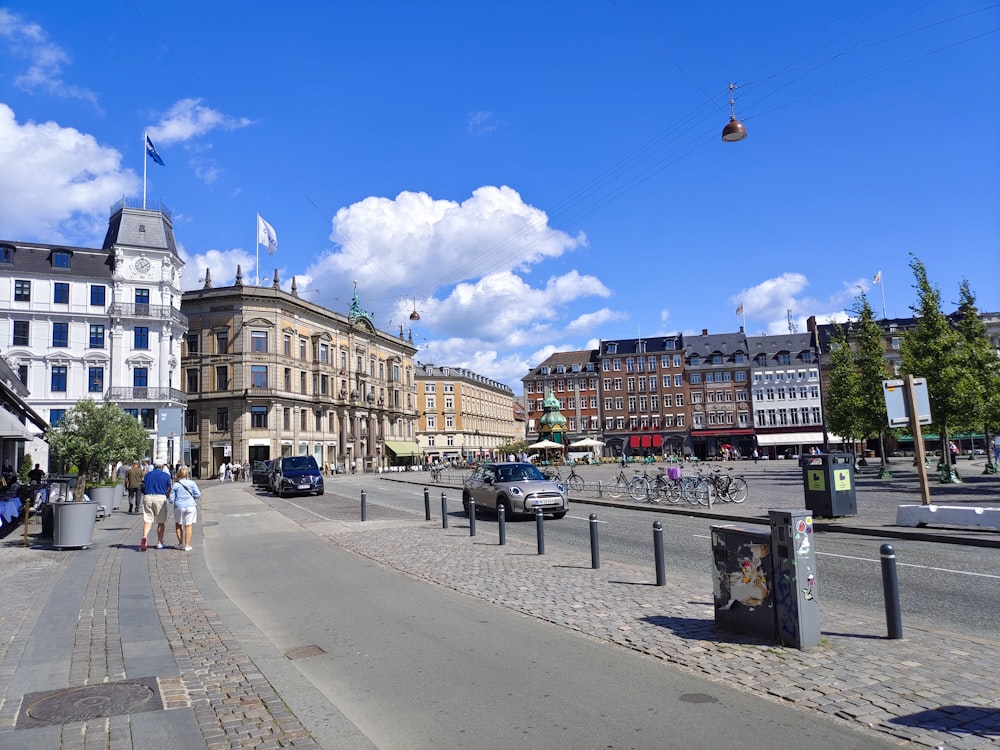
790	438
12	429
403	447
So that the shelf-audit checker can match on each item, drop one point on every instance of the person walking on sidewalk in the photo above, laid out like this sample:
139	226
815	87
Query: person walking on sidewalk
133	484
155	488
184	494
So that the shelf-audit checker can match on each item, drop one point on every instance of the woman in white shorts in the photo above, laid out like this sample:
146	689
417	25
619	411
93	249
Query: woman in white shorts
184	494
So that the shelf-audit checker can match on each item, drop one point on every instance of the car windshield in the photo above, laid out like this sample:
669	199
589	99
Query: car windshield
519	473
297	462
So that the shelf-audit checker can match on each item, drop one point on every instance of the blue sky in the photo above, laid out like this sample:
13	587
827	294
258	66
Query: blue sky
531	176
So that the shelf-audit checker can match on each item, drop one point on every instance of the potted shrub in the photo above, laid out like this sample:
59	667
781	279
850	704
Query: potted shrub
93	438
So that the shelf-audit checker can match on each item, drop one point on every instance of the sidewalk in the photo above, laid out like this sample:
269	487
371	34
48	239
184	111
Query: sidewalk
110	614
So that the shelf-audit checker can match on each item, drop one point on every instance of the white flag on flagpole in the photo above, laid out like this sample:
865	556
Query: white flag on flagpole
266	236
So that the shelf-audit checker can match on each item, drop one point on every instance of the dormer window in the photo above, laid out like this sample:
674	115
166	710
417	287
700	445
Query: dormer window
612	348
6	254
60	259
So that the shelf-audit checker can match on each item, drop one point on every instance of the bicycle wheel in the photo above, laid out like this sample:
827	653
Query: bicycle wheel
657	490
738	490
703	492
638	489
672	491
575	483
617	488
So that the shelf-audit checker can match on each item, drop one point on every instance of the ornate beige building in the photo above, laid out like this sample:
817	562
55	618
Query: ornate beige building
269	374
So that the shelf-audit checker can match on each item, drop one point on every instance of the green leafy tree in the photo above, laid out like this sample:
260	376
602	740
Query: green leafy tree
933	349
984	367
94	438
870	361
842	399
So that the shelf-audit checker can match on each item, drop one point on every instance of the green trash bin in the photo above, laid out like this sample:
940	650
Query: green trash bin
828	481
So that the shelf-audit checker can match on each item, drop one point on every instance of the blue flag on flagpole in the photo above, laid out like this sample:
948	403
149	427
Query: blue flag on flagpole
153	154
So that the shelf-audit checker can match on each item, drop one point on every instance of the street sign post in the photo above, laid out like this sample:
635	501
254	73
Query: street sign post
907	403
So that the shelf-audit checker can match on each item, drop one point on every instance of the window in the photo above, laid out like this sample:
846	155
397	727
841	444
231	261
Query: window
449	422
221	378
60	334
695	377
741	376
302	382
56	416
141	338
287	379
784	358
303	419
191	420
58	378
140	377
302	351
142	301
95	379
21	333
60	295
449	402
222	342
286	419
222	418
192	380
258	416
679	401
6	255
97	294
616	364
286	346
618	384
60	259
258	341
258	376
22	291
678	381
192	342
96	337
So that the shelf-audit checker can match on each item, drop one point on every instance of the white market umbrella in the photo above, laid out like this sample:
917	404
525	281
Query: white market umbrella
543	444
586	443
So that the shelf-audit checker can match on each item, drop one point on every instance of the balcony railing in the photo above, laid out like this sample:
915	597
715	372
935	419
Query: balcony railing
119	395
140	310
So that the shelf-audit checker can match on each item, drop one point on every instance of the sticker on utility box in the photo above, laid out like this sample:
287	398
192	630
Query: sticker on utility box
817	480
842	480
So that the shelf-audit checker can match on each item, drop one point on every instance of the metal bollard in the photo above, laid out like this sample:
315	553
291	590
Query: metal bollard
595	546
427	504
502	524
890	589
364	505
540	530
661	576
444	511
472	518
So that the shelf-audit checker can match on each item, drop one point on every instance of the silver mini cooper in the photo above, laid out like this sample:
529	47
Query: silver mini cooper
519	487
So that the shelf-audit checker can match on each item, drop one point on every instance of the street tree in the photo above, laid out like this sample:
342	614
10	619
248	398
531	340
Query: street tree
843	395
870	362
932	349
982	363
94	438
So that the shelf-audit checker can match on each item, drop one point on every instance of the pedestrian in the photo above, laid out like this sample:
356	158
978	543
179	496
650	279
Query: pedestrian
229	473
184	494
146	466
36	475
354	467
756	455
155	488
133	485
222	471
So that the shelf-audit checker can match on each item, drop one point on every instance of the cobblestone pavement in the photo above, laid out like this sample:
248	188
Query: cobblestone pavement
232	703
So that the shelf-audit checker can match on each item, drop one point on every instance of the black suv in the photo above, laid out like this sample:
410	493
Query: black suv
296	475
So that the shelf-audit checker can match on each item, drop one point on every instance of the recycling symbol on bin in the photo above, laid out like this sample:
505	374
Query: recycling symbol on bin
816	479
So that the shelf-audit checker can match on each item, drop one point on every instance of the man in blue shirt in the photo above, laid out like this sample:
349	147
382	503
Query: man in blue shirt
155	488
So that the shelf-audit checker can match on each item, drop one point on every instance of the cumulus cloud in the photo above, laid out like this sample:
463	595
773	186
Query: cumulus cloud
220	263
589	322
769	305
44	58
57	183
189	118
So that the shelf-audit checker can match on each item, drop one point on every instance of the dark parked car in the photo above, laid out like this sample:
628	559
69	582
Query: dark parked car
296	475
260	476
518	487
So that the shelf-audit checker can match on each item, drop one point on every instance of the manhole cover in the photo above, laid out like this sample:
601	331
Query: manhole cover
698	698
89	702
304	652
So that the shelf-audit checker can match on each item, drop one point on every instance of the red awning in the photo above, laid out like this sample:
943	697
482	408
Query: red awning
657	441
633	441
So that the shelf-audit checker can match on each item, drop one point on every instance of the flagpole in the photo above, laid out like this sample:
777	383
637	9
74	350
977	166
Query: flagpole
884	316
257	240
145	156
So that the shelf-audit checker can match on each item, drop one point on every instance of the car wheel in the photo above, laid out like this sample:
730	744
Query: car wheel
559	514
507	512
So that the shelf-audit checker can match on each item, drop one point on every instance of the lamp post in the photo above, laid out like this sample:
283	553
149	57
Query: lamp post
479	450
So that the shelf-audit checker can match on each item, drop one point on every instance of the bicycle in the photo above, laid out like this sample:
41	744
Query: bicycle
728	488
436	473
574	481
622	485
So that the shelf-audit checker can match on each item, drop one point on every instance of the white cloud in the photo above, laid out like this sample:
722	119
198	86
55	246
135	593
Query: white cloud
481	123
220	263
188	119
769	304
590	322
45	58
57	183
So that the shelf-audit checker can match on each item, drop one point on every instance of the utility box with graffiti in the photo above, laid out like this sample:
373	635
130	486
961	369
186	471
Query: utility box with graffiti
764	582
744	599
828	481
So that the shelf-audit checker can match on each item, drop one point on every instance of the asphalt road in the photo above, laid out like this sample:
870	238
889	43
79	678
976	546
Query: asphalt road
412	665
942	587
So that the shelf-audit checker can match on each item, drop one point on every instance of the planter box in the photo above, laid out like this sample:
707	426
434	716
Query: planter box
109	497
73	524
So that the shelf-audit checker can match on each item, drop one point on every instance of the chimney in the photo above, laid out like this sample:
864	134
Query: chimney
704	331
